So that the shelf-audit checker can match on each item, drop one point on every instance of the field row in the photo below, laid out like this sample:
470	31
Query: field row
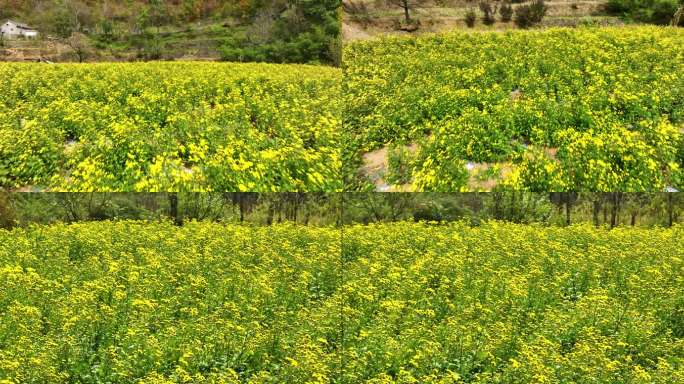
170	126
391	303
586	109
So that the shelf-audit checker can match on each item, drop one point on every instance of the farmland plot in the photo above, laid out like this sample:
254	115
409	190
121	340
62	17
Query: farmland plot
153	303
170	127
586	109
506	303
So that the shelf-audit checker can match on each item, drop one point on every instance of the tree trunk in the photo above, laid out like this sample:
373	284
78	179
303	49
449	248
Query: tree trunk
568	208
595	212
670	209
511	212
615	211
173	209
497	205
271	213
406	11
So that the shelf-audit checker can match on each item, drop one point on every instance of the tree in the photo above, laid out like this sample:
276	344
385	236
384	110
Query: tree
529	15
566	199
616	201
678	15
506	12
488	12
407	6
470	18
7	214
80	44
158	13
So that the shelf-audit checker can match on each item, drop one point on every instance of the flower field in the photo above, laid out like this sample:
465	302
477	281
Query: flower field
587	109
385	303
506	303
170	127
152	303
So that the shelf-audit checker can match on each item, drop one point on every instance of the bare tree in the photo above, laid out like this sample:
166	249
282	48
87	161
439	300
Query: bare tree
678	15
407	6
80	45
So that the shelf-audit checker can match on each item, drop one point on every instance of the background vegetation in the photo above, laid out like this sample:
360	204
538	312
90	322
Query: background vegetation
600	209
22	209
295	31
562	209
662	12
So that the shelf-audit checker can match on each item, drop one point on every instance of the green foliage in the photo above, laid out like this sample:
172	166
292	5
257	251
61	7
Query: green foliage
170	127
488	12
645	11
304	32
586	98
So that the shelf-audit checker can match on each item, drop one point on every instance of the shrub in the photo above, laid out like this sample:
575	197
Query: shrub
529	15
506	12
488	12
470	18
652	11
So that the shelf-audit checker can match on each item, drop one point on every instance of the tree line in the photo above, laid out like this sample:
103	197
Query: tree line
20	209
561	208
564	208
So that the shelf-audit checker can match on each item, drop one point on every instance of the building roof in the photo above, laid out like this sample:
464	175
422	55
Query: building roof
20	25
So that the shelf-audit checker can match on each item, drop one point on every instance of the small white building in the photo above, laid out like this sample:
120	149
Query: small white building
11	30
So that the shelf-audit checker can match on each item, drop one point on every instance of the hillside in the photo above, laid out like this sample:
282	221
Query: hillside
365	18
78	30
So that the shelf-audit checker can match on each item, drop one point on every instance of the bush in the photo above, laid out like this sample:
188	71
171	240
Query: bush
470	18
658	12
506	12
488	12
529	15
662	12
152	50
